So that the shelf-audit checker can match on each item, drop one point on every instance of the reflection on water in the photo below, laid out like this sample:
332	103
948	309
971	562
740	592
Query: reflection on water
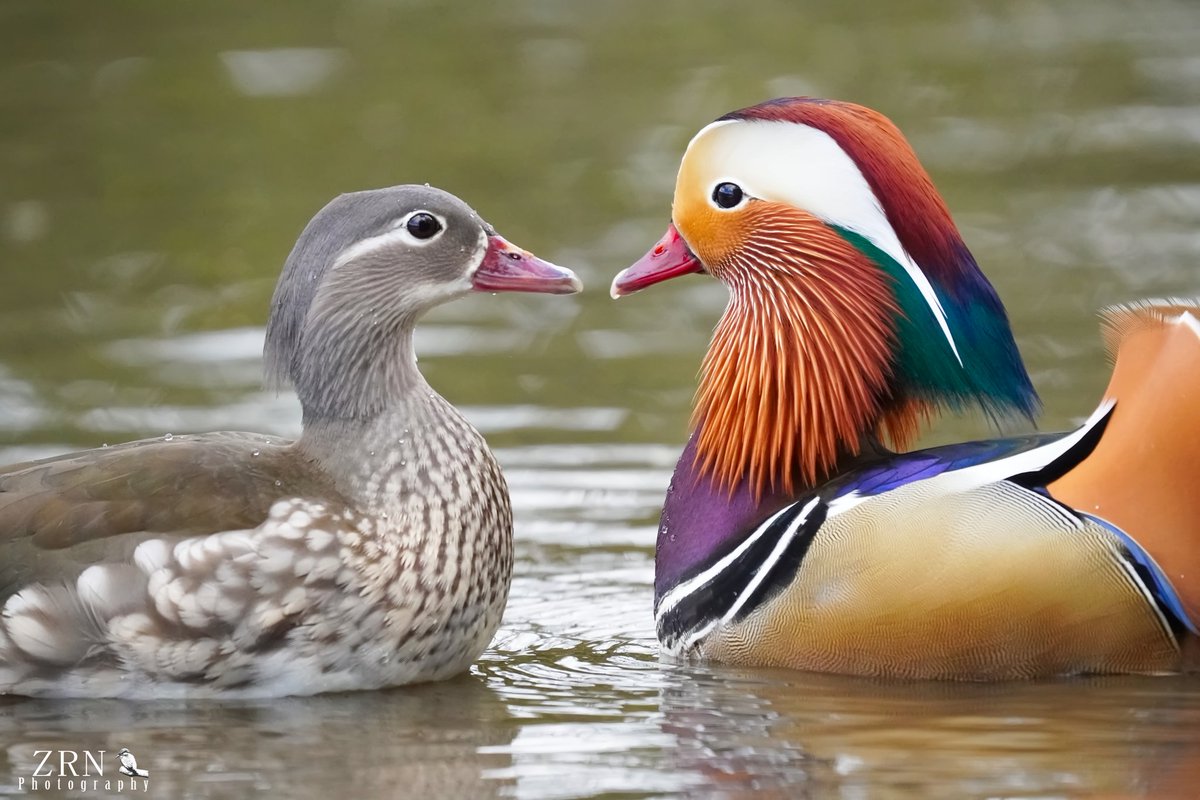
441	740
157	165
847	737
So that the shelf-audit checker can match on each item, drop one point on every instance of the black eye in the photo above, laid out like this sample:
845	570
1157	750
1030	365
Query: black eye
727	195
423	225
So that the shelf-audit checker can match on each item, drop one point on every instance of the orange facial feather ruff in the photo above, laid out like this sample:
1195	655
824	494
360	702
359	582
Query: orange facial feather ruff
802	348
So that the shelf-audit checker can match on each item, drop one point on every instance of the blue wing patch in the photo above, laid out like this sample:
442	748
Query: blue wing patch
903	468
1158	584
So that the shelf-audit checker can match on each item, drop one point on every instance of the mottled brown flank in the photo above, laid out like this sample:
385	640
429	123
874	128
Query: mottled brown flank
798	368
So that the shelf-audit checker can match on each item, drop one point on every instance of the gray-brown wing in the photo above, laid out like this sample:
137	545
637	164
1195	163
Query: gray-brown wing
59	515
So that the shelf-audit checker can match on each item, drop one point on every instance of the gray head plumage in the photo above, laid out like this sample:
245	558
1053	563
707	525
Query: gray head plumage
350	290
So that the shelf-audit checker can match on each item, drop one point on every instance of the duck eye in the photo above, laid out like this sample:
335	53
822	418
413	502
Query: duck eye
422	225
727	195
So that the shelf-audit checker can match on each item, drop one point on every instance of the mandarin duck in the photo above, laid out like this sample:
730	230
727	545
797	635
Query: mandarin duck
374	550
791	536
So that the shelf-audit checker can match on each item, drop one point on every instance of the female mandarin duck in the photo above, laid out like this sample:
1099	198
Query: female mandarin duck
791	537
375	550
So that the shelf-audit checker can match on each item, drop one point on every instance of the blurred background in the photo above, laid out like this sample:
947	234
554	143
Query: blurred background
157	161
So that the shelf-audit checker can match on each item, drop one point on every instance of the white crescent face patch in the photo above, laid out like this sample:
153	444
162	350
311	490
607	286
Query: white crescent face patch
796	164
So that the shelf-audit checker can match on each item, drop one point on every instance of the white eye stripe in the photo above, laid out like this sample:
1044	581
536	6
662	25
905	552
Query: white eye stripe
397	233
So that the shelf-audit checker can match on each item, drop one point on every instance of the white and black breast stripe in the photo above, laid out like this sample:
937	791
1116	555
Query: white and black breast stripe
740	581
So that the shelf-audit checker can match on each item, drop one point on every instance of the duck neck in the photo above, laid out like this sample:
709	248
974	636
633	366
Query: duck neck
385	439
356	367
365	457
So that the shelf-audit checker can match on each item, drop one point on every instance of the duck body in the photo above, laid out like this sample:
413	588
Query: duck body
791	536
375	550
359	583
951	563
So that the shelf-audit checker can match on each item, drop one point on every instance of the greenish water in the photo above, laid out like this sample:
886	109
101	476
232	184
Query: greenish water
158	160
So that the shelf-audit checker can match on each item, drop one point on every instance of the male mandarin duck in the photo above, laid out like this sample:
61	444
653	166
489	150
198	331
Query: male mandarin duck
792	537
375	550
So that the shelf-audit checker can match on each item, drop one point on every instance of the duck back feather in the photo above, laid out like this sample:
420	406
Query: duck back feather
1141	475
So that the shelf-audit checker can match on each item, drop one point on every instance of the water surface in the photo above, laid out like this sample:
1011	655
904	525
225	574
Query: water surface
158	160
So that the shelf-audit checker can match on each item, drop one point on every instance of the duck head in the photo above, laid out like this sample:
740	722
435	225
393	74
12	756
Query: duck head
855	308
363	270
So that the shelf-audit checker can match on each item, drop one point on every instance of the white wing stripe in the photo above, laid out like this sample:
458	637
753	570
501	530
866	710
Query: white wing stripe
673	597
991	471
761	573
1029	461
